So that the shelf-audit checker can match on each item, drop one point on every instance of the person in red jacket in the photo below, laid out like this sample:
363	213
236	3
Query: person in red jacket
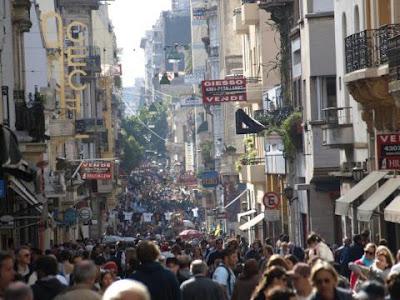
366	260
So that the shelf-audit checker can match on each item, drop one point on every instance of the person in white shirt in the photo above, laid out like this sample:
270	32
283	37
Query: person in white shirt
300	276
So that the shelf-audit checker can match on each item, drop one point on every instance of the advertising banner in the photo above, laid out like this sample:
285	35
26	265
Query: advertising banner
209	179
388	151
225	90
96	170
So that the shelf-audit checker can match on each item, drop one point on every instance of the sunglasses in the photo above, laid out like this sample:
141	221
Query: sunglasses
369	252
322	280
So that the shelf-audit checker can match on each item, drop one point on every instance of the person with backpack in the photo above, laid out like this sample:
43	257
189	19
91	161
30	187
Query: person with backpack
224	274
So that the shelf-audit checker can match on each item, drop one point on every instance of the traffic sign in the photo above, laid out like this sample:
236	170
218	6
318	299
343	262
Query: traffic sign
271	201
85	214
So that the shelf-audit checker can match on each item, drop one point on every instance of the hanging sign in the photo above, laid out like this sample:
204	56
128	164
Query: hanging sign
225	90
209	179
96	170
388	151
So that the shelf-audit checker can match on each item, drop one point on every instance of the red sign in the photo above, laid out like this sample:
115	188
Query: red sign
271	201
388	151
188	179
225	90
96	170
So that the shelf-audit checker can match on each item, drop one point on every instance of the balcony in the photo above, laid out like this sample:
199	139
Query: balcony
92	4
394	68
30	117
271	4
238	26
60	128
338	129
250	12
93	60
367	57
89	126
254	91
253	170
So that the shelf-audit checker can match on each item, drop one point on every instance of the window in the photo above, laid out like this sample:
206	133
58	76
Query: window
323	95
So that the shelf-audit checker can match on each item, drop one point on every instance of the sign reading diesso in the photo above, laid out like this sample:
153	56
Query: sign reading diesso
225	90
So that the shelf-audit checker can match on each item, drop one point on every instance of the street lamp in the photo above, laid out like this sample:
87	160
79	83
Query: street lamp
288	192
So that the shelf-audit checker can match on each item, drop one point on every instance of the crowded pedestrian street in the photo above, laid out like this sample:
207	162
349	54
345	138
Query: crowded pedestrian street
200	149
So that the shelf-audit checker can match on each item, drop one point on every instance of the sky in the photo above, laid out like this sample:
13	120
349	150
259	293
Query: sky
131	19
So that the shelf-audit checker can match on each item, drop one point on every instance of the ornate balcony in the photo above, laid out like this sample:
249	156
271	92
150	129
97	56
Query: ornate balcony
21	15
367	78
271	4
253	170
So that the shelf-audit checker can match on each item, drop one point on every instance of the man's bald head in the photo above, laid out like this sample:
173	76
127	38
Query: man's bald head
18	291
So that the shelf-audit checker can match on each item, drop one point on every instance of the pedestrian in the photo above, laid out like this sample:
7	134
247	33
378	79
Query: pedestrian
300	276
184	268
356	250
371	290
106	279
318	249
224	274
85	275
246	281
200	287
47	286
393	286
325	280
255	250
342	257
274	277
7	272
366	260
127	290
18	291
281	294
161	283
268	251
216	254
22	264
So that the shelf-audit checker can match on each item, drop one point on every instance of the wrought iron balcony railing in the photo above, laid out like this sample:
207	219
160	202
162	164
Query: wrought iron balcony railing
369	48
394	58
270	4
272	117
30	116
253	161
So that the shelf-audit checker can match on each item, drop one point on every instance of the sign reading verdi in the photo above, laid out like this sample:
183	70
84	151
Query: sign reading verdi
388	151
96	170
226	90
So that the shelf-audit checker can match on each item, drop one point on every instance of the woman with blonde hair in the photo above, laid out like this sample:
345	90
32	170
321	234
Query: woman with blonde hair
325	281
380	268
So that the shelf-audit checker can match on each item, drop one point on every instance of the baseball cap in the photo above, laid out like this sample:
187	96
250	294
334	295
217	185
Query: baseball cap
300	270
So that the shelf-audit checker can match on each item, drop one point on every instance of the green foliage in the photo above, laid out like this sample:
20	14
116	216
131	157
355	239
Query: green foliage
292	135
136	138
206	152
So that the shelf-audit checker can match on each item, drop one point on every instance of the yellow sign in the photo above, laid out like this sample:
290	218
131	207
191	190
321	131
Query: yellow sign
72	46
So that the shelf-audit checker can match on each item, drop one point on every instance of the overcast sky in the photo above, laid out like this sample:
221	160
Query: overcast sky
131	18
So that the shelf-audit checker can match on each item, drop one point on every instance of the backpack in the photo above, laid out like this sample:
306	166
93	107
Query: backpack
228	281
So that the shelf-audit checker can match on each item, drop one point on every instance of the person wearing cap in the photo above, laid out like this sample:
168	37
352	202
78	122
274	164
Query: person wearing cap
112	267
300	276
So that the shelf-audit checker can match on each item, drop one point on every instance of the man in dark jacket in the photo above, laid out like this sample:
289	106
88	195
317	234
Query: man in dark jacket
47	286
162	283
356	250
200	287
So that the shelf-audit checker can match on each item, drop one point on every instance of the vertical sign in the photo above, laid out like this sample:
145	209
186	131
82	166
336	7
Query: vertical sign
2	189
388	151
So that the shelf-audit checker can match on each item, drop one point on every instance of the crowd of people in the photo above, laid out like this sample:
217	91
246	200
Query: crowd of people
208	269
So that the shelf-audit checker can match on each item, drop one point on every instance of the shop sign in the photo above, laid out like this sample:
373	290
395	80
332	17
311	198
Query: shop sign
96	170
188	178
70	216
191	101
209	179
2	189
388	151
199	13
225	90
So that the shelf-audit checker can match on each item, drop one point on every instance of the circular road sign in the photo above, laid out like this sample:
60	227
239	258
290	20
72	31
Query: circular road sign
85	214
271	200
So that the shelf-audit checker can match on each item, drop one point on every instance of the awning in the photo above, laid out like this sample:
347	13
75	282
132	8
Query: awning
365	210
246	213
237	198
21	189
343	203
252	222
392	211
24	192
